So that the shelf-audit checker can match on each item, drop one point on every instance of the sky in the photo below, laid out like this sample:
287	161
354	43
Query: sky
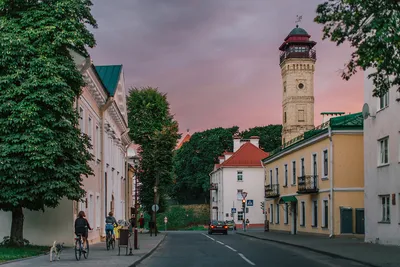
218	60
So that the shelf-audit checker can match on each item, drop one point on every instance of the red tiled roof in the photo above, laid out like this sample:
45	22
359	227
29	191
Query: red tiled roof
248	155
184	140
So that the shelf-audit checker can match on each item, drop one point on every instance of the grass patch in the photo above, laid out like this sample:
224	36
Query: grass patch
11	253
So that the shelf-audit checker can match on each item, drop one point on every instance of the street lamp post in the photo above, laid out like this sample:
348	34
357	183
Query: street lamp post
135	231
244	195
155	210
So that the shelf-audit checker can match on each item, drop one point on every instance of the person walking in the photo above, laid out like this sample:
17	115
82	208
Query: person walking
141	223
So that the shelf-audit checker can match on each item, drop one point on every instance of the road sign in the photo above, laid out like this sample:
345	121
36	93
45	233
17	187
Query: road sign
233	210
155	207
249	202
165	219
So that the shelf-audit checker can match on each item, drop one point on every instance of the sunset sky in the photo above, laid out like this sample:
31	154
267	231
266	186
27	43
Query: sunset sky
218	60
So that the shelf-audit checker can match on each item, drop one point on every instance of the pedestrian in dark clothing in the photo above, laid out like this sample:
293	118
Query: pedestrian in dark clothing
141	223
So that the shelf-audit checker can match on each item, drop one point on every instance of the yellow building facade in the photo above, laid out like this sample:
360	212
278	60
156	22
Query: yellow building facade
315	182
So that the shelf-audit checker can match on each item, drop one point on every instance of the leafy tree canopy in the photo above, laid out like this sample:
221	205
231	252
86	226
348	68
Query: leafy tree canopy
43	155
270	136
372	28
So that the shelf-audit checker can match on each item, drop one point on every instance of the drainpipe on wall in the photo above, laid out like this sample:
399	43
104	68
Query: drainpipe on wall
331	230
103	109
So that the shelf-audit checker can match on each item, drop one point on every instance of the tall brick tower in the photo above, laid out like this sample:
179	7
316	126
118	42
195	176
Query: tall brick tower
297	61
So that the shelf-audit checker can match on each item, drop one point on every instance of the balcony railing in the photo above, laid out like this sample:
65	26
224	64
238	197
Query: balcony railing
272	191
307	184
304	54
213	186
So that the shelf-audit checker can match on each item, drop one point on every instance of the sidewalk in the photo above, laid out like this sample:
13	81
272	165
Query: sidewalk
341	247
98	255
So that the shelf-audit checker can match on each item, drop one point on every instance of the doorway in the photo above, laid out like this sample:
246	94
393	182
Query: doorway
360	222
346	220
293	206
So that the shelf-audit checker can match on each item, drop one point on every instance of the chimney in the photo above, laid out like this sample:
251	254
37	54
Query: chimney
236	143
255	140
221	159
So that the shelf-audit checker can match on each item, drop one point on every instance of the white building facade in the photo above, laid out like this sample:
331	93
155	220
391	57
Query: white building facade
382	168
103	117
237	172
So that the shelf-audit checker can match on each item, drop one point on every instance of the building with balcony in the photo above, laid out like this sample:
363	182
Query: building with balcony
382	168
314	183
239	171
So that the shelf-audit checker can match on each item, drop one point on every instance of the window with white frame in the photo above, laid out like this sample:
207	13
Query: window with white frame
239	176
98	213
302	167
325	213
325	163
385	208
384	101
303	214
315	213
276	176
98	144
383	151
277	214
271	213
91	209
286	217
81	119
286	176
239	194
240	215
314	164
294	172
90	129
270	177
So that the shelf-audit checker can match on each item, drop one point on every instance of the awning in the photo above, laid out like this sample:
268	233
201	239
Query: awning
287	199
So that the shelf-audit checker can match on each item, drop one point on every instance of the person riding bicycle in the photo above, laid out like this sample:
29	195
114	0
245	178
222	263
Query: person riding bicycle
110	222
81	227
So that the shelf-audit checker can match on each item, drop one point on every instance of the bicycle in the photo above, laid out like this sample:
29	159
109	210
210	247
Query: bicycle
79	248
110	241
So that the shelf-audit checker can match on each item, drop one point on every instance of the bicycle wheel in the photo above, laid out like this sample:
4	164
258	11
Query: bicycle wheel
78	250
113	243
108	242
86	254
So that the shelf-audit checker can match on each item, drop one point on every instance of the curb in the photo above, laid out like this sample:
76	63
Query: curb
136	263
333	255
24	259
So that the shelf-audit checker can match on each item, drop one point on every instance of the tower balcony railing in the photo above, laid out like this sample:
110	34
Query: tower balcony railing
307	184
304	54
272	191
213	186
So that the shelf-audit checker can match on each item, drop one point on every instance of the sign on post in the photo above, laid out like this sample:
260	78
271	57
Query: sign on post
250	203
165	222
155	208
233	210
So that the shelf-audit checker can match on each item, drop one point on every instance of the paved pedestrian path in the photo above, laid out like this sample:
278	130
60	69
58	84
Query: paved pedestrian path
98	255
342	247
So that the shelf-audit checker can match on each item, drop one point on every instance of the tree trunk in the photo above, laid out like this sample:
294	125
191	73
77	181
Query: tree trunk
17	227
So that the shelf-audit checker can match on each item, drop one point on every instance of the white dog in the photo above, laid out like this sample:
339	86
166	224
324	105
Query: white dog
55	251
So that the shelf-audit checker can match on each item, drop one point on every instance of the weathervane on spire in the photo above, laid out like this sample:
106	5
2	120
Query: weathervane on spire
298	20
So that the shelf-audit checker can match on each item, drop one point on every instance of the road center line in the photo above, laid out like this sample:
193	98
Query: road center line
246	259
209	237
231	248
220	242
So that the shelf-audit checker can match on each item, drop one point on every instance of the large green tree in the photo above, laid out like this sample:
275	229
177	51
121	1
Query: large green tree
195	160
270	136
155	130
43	154
372	29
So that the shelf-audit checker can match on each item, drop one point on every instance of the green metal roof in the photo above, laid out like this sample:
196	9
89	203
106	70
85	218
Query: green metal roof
287	199
298	31
347	122
109	75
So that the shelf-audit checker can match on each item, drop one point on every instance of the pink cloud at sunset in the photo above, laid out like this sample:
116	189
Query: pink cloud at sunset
218	60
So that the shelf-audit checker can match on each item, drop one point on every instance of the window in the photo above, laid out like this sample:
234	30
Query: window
286	176
270	177
302	167
315	214
81	122
98	207
271	213
385	207
325	163
384	101
286	213
277	214
240	176
90	130
314	164
383	151
240	215
239	194
300	115
294	172
91	209
284	90
303	214
276	176
325	213
284	117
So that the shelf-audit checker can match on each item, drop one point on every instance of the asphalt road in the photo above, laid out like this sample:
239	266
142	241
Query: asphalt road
195	249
